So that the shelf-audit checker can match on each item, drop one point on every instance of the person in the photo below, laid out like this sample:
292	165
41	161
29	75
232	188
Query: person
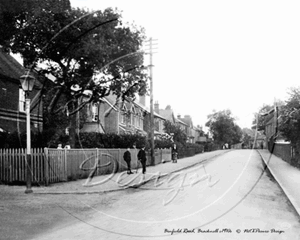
68	146
142	158
127	159
174	153
59	146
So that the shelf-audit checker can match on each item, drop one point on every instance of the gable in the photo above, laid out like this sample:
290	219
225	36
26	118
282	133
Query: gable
9	66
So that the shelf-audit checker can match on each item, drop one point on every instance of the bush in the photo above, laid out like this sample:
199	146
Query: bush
18	140
112	140
197	147
162	143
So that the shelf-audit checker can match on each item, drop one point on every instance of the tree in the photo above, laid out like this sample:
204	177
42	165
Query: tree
262	117
289	125
178	134
223	128
84	51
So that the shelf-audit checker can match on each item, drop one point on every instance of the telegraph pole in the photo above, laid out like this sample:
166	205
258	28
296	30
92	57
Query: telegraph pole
152	162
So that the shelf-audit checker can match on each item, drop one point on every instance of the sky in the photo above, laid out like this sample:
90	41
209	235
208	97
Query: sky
216	54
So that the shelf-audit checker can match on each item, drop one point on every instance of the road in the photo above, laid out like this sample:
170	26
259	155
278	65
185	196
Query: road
214	200
228	197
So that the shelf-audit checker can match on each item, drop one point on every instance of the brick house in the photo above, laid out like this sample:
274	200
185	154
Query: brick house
189	128
12	98
166	113
199	134
183	126
107	116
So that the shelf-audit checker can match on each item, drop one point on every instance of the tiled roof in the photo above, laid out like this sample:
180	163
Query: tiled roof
9	66
181	122
166	113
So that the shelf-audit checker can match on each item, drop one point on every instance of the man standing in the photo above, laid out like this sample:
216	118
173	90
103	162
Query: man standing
174	153
142	158
127	159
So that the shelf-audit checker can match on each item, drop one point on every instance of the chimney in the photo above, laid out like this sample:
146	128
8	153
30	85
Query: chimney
142	100
156	107
168	107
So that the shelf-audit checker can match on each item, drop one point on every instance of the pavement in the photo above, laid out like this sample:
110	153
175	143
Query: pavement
287	176
121	181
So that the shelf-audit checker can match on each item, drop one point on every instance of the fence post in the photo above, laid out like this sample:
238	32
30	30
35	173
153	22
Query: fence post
65	163
97	161
119	159
46	169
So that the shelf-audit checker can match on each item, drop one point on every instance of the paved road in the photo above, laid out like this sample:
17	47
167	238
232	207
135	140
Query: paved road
229	197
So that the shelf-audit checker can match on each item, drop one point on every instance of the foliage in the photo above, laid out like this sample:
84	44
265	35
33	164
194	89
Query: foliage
18	140
84	51
262	117
211	146
290	117
199	148
246	139
223	128
158	143
101	140
178	134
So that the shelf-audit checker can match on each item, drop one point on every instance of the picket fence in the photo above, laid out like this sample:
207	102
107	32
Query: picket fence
55	165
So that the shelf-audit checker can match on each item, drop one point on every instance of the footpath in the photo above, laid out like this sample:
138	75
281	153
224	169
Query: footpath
121	180
287	176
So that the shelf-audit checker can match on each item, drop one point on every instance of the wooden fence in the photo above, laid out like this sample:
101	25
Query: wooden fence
13	165
285	151
55	165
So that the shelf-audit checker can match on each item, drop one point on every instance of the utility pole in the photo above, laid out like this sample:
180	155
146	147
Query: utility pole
152	162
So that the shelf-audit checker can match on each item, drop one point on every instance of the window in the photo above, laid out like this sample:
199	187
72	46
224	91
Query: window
22	103
122	117
133	116
95	112
133	119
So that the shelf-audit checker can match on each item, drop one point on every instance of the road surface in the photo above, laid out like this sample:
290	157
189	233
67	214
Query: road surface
229	197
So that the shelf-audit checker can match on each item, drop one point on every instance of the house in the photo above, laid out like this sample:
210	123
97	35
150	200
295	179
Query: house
166	113
12	98
258	141
109	116
183	126
123	117
189	128
199	135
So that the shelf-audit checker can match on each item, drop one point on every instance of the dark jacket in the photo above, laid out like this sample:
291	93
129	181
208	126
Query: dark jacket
174	150
127	156
142	155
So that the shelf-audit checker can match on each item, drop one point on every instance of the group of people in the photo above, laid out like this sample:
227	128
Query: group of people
66	147
141	157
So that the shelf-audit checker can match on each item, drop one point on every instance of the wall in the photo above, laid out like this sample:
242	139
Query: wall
112	122
10	118
284	151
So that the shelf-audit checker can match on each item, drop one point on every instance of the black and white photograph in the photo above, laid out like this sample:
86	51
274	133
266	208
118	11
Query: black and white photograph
149	120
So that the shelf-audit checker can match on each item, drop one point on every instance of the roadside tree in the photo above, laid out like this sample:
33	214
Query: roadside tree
290	113
86	53
175	131
223	128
